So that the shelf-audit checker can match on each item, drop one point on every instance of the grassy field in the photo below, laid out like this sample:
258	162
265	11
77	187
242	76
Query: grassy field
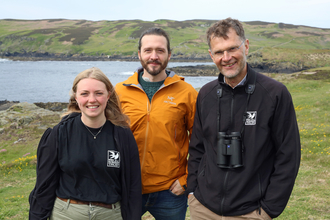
311	195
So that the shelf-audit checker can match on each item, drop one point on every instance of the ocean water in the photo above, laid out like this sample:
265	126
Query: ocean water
51	81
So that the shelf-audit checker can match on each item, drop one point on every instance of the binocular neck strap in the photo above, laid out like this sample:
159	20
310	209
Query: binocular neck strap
249	89
219	94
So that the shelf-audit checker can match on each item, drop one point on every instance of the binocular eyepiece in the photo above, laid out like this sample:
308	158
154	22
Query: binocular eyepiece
229	150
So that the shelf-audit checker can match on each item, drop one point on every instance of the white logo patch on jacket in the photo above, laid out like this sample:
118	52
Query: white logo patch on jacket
113	159
251	118
170	100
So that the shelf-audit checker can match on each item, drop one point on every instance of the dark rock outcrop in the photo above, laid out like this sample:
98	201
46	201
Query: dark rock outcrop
262	67
53	106
199	70
4	104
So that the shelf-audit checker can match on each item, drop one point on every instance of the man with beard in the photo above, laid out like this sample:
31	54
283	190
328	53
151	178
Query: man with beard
244	152
161	107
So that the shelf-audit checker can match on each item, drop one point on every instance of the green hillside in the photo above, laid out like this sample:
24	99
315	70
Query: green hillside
270	42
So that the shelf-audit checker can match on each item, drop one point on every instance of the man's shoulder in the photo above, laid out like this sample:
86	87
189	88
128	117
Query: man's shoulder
129	81
262	78
269	83
208	91
121	85
179	80
186	85
209	86
272	88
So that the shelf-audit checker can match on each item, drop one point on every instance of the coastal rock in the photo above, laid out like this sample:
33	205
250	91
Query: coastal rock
23	114
3	121
262	67
199	70
4	104
53	106
284	67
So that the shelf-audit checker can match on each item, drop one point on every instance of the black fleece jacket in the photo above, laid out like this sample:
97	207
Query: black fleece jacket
43	195
271	147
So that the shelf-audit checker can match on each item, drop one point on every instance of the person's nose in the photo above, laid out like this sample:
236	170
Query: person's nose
154	55
92	98
226	56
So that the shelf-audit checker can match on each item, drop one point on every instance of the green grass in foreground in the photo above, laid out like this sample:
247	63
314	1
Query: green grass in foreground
17	180
310	198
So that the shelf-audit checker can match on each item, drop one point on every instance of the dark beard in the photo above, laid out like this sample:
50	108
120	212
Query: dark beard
152	71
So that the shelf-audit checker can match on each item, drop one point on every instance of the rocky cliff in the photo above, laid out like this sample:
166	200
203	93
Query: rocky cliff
22	114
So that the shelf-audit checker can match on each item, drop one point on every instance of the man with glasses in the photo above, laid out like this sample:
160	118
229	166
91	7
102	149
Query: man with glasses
244	153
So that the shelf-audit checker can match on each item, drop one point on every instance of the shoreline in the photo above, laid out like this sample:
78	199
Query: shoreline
59	106
52	106
51	57
199	70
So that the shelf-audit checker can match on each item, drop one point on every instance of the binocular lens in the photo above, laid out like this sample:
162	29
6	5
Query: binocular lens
229	150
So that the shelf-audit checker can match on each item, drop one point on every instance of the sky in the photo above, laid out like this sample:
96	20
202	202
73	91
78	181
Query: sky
314	13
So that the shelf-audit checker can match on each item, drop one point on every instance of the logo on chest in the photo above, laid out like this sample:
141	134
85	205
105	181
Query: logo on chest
113	159
170	100
251	118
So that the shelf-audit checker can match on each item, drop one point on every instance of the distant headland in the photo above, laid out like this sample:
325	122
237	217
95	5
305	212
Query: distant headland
274	47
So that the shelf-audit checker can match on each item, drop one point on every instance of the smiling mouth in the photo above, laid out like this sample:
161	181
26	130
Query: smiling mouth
92	107
230	65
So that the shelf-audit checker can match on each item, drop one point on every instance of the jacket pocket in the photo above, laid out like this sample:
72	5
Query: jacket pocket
176	144
201	169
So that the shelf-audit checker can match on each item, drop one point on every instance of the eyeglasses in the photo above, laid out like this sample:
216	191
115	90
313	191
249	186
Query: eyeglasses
219	54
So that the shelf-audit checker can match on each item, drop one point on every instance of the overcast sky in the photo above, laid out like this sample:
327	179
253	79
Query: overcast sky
315	13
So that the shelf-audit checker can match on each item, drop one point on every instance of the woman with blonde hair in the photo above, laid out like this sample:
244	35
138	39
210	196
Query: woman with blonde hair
88	165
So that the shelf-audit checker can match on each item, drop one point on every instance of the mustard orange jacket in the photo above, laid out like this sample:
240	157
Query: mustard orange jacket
160	129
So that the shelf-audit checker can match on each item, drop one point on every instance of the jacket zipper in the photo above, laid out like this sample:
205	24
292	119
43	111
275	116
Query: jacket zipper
232	108
147	129
227	172
148	119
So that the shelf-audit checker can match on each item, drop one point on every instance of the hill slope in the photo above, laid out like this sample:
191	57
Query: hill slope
271	43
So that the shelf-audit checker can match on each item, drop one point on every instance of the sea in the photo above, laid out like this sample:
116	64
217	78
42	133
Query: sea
51	81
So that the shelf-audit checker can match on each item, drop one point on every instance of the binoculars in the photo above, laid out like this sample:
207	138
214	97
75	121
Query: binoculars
229	150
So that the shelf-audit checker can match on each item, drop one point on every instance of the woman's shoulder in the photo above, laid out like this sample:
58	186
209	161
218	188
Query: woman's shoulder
121	129
67	119
123	133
